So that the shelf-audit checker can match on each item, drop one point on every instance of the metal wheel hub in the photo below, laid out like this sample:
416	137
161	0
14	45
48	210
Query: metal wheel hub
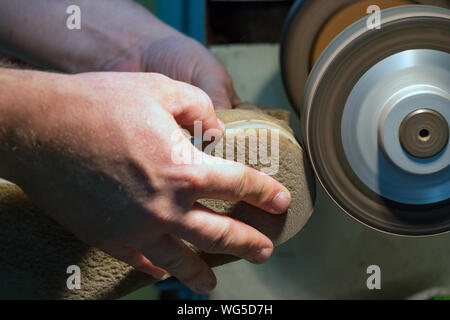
424	133
393	144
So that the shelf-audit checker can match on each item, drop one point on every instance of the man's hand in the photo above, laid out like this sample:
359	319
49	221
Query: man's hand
94	151
115	35
181	58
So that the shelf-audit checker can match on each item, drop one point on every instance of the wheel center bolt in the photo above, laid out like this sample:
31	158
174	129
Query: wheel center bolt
424	133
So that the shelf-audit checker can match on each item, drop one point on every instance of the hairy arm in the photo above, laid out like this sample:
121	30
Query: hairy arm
36	32
115	35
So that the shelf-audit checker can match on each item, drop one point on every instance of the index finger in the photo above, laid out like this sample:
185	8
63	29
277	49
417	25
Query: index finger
233	181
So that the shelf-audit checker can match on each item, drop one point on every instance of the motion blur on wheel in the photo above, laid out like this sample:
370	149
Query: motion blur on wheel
373	94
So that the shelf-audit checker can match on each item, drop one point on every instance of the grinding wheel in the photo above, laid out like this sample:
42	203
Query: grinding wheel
375	121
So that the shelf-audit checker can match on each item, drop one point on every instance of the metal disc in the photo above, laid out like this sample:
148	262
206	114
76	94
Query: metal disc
303	25
388	100
341	66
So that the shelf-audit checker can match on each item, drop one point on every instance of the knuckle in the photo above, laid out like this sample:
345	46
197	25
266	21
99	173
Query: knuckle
200	96
180	175
205	104
263	190
159	214
157	80
251	186
204	98
162	218
158	76
220	240
242	185
200	181
195	177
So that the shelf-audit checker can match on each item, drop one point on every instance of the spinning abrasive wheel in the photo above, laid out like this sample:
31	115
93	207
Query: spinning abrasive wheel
375	111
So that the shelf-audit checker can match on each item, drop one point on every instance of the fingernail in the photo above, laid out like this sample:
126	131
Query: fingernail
262	255
221	125
281	202
165	276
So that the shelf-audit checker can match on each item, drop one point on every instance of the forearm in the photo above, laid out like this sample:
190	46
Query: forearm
36	32
24	97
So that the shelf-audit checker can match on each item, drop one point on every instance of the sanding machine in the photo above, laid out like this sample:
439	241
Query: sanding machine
374	104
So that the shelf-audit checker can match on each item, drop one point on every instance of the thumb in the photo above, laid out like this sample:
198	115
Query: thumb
194	105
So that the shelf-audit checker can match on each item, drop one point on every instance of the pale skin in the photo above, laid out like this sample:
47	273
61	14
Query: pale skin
94	149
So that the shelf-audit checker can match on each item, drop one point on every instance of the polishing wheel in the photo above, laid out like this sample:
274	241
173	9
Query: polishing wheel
375	109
